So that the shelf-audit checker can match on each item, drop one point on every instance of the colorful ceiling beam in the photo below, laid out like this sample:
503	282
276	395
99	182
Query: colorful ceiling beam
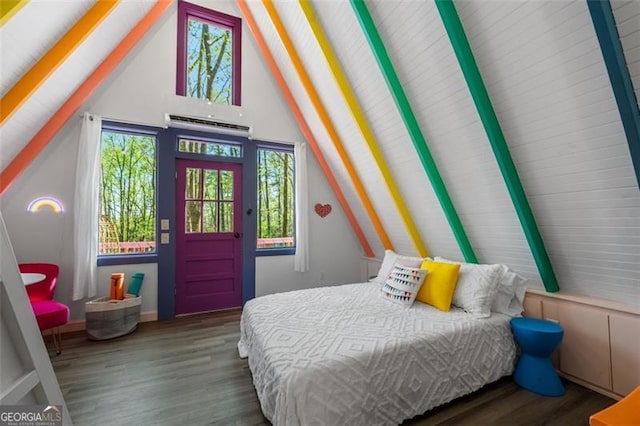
607	32
410	121
80	96
41	70
472	75
322	112
304	127
361	120
8	8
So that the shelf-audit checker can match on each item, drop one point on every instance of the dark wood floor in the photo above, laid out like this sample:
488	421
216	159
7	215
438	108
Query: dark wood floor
187	372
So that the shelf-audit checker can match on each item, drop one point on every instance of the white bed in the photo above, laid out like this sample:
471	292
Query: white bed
345	356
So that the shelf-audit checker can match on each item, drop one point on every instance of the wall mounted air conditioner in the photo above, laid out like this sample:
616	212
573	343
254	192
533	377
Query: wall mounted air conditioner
207	124
190	113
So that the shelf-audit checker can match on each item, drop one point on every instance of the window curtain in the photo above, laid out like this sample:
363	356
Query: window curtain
85	209
301	258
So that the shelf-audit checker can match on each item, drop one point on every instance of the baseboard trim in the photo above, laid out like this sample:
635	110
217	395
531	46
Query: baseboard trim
79	325
590	386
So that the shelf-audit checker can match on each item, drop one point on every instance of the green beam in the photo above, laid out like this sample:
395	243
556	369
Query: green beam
410	121
461	46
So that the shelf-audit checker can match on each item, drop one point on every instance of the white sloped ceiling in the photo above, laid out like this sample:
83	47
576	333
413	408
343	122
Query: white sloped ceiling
430	74
547	80
43	104
549	85
31	32
352	139
353	51
627	16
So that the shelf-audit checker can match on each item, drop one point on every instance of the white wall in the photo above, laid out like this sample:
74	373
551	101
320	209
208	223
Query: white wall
137	92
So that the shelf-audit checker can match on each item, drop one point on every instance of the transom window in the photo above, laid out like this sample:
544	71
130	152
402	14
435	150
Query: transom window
208	54
220	149
127	193
276	199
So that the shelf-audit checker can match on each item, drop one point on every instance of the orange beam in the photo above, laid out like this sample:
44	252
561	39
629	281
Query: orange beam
8	8
304	127
41	70
69	108
314	97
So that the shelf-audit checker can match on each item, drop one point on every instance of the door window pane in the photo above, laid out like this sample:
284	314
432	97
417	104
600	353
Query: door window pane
226	217
210	220
226	185
193	184
210	184
192	214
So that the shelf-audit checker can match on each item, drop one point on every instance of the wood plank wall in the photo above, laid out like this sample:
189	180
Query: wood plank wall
627	15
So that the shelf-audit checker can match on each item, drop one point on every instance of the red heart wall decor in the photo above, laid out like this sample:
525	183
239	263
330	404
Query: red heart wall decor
323	210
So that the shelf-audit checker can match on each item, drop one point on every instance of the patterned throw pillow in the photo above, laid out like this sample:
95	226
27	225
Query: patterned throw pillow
403	284
390	259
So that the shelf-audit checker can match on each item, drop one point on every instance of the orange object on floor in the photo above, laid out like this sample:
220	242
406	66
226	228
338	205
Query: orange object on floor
625	412
117	286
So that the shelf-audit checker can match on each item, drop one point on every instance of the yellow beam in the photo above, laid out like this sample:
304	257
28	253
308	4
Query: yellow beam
326	121
360	118
8	8
41	70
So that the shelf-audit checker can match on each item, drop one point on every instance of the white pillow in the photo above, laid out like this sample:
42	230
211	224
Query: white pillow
477	287
509	300
390	259
403	284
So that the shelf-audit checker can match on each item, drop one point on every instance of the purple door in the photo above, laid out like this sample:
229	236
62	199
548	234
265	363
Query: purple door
208	243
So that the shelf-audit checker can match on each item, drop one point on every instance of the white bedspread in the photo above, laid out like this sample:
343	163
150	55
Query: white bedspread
344	356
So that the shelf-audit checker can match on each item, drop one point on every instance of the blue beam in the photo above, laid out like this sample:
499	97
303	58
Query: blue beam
607	32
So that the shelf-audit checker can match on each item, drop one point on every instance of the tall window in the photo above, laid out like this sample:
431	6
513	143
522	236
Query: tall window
276	203
127	193
208	54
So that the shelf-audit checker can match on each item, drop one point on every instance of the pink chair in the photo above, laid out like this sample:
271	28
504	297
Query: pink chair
49	313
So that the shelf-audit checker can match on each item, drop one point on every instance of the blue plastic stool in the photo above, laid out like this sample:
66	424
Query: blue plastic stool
537	340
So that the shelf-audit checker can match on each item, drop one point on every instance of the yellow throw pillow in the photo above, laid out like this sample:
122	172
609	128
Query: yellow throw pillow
440	284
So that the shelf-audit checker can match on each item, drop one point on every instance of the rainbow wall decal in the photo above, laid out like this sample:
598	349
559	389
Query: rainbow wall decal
45	203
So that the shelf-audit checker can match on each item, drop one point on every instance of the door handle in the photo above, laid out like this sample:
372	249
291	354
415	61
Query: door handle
236	235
